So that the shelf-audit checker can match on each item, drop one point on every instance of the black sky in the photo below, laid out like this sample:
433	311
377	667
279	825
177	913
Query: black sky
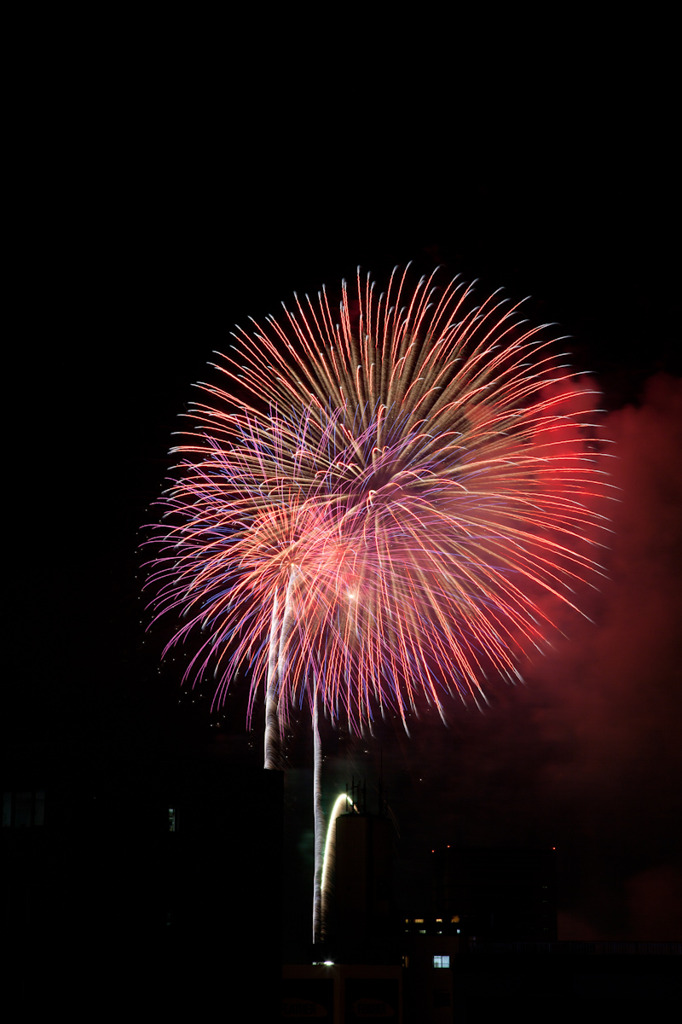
157	205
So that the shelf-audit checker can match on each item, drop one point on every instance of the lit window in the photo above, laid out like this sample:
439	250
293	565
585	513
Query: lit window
441	960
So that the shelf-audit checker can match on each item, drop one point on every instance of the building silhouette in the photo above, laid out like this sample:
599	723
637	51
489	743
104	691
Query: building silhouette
145	880
363	928
496	894
477	943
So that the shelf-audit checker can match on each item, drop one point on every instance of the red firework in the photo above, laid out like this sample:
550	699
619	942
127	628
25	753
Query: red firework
384	506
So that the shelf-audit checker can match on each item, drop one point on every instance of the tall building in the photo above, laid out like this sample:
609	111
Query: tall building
363	920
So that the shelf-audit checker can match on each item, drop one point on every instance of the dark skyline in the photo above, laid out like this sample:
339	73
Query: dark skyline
149	239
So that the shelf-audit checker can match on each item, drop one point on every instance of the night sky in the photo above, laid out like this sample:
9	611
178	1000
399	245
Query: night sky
156	211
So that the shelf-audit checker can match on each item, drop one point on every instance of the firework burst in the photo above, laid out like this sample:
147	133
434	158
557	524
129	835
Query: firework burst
383	506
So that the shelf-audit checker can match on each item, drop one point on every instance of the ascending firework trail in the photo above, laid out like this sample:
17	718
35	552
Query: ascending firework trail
382	507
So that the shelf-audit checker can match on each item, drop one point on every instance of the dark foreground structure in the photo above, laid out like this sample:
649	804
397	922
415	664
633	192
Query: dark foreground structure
141	886
562	983
480	946
154	885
